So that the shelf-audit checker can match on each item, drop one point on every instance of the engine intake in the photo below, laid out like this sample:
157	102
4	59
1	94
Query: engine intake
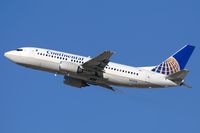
70	67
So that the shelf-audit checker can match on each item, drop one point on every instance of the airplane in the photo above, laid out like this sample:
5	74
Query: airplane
80	71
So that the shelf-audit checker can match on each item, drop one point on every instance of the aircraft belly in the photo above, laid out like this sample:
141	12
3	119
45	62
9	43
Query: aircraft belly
128	81
117	80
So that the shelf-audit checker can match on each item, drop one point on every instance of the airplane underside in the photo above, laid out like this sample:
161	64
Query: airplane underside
99	81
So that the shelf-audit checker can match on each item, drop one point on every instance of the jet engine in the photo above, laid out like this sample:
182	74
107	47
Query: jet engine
74	82
70	67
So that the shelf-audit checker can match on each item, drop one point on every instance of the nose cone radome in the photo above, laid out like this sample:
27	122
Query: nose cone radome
7	55
11	55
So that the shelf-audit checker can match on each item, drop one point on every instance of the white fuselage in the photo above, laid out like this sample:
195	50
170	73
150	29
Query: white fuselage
114	73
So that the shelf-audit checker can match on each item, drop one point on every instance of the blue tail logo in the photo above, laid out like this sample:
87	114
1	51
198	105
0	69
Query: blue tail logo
176	62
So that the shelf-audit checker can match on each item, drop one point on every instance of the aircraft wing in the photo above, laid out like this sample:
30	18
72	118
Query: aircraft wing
107	87
95	67
99	62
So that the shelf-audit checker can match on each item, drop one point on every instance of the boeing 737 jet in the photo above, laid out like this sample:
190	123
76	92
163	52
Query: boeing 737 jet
80	71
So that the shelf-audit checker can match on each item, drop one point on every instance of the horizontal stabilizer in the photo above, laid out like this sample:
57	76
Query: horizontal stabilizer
179	76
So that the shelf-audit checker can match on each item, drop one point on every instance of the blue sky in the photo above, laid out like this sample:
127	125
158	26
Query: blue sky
141	33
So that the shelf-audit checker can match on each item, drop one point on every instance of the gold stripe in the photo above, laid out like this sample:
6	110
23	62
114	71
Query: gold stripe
165	68
162	67
174	70
157	68
171	68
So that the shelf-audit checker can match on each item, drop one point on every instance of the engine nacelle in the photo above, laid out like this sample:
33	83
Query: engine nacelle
70	67
74	82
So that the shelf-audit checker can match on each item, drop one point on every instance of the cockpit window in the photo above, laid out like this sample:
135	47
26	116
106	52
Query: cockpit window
19	49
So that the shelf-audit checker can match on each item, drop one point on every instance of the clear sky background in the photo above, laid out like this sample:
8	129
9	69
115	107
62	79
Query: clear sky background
141	32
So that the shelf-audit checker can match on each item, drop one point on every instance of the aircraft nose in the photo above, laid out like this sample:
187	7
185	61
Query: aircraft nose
10	55
13	56
7	54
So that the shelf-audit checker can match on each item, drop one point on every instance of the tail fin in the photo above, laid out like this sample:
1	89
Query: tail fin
176	62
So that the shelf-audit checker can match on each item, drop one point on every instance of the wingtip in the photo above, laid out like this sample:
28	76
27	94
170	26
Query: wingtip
109	51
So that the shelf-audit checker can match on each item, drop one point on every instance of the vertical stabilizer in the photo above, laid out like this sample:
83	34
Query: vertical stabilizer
176	62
